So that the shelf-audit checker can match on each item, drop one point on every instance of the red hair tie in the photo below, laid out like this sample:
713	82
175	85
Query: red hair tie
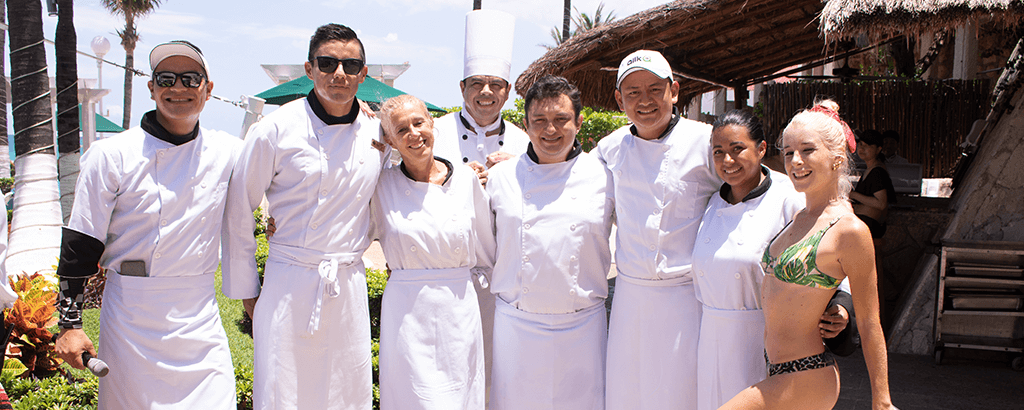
851	140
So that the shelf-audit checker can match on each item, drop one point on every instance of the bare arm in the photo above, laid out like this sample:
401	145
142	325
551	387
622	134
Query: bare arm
857	259
880	200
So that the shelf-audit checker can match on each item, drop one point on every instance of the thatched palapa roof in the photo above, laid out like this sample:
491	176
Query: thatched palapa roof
885	18
709	43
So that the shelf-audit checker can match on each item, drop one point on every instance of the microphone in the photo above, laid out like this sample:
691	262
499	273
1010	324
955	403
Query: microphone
96	366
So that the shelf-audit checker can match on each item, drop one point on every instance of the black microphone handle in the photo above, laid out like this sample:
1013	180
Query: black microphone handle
96	366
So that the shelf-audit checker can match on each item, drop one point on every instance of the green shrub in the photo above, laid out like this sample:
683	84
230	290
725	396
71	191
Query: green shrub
243	385
598	124
51	393
6	184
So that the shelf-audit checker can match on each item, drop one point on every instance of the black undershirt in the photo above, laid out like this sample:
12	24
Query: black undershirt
321	113
671	124
153	127
754	193
577	149
447	177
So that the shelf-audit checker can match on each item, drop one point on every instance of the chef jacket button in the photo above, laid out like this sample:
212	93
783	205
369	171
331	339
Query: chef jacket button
200	254
457	250
163	222
203	219
465	137
572	227
526	226
719	213
412	248
203	185
526	259
359	196
737	275
407	192
464	159
528	196
619	172
323	193
572	292
657	211
701	273
319	132
156	255
529	169
501	143
327	156
480	147
572	258
197	153
651	247
160	154
350	231
526	290
739	242
312	226
573	197
707	240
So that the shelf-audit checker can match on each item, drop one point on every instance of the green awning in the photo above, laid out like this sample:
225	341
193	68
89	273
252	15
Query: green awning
102	123
371	91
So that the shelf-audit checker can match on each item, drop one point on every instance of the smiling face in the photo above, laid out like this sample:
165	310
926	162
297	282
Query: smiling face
336	90
410	130
647	100
737	157
177	106
552	125
484	96
809	163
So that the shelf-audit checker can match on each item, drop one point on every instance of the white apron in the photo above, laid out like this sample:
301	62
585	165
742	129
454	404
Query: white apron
652	354
163	340
730	354
431	347
531	349
320	300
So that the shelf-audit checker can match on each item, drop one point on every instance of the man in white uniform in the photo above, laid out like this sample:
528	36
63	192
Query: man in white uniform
553	212
663	176
317	161
477	135
148	208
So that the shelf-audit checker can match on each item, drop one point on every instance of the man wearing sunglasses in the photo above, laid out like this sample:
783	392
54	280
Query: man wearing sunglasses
148	207
317	161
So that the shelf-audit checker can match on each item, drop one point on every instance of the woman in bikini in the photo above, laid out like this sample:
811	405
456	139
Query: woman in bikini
824	243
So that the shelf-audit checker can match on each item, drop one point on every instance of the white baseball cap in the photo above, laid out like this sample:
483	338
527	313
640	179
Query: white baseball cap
648	60
177	48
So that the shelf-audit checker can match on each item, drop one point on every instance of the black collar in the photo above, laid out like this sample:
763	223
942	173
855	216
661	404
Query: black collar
321	113
668	129
152	127
577	149
497	131
451	170
754	193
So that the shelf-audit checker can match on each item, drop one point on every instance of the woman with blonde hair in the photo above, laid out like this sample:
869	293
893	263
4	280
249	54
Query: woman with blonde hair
823	244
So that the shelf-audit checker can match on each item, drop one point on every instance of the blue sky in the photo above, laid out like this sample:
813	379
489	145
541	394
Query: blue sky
238	36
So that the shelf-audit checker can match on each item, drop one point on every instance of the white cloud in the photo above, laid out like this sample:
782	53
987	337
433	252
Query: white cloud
391	37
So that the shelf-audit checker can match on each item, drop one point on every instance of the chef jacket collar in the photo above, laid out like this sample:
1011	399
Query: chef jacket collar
668	129
451	170
754	193
152	127
329	119
577	149
500	130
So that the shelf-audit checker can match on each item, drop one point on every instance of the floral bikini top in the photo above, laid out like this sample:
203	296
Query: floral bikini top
797	264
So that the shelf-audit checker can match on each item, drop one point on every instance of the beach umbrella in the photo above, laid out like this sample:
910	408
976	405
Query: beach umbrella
371	91
102	123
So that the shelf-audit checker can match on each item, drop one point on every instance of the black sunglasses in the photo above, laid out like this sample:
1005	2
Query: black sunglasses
351	66
167	79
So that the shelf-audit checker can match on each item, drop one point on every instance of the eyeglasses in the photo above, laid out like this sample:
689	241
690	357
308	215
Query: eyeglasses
350	66
167	79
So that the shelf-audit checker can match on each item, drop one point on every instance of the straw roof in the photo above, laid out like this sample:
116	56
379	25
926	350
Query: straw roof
885	18
709	43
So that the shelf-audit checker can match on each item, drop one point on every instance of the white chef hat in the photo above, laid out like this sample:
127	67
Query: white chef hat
489	35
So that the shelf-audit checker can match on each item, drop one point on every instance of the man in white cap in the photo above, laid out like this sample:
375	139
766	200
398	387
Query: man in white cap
317	160
148	209
477	135
663	174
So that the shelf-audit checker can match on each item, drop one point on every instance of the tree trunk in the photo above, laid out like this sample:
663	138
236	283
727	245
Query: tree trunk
476	5
128	39
35	227
5	164
68	131
565	20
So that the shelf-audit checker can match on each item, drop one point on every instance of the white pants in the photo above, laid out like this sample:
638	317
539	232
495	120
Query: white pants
652	345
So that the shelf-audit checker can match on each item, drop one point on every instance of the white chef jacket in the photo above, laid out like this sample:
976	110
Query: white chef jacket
134	180
431	343
318	179
311	330
730	242
553	223
661	189
150	200
460	145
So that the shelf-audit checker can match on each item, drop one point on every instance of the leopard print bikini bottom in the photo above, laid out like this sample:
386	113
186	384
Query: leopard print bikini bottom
823	359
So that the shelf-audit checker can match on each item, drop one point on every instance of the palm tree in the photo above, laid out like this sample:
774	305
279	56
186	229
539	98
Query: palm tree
582	21
5	167
68	132
131	10
35	227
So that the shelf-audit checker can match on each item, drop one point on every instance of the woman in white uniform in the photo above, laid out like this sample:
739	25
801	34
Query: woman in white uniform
434	225
553	211
753	204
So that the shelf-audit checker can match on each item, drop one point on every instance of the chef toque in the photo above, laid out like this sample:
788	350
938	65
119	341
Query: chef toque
489	35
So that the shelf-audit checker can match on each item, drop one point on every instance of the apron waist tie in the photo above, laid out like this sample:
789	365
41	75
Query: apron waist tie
326	264
669	282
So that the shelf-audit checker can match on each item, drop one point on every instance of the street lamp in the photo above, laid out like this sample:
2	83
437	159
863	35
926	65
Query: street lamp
100	46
